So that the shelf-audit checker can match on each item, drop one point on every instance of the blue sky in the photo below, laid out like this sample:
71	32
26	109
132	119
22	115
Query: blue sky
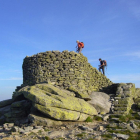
110	29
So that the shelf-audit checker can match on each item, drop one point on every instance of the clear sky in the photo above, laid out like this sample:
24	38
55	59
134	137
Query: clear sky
110	29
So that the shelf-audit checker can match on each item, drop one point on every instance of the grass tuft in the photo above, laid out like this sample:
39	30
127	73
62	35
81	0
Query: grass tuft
47	138
89	119
97	118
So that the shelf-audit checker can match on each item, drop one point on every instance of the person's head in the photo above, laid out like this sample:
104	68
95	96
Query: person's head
100	59
77	41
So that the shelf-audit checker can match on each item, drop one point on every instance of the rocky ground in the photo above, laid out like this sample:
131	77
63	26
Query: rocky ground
114	128
69	131
108	123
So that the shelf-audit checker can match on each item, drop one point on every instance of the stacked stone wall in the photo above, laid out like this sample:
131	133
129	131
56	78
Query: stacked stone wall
63	69
123	99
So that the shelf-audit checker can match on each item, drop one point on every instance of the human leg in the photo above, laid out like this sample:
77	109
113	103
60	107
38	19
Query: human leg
103	70
80	49
99	69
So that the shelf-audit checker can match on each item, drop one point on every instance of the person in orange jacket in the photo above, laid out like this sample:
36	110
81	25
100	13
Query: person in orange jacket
79	46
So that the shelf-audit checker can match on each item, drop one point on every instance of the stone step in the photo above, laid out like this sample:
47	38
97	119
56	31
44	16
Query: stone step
115	120
115	115
120	109
112	95
120	105
118	112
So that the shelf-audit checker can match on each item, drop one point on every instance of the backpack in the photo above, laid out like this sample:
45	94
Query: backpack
105	62
82	44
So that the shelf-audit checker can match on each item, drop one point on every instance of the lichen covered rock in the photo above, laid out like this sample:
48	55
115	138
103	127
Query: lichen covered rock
57	103
41	120
6	102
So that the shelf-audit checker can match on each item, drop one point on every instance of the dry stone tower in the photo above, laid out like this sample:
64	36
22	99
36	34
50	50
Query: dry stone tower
63	69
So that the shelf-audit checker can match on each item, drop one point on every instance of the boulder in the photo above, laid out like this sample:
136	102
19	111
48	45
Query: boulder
100	101
42	121
56	103
86	97
5	109
16	112
6	103
121	136
2	120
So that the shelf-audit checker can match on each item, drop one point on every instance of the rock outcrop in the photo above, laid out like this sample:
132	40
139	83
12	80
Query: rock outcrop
63	88
57	103
53	102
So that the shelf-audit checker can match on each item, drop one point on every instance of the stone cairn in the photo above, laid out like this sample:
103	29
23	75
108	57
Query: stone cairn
63	69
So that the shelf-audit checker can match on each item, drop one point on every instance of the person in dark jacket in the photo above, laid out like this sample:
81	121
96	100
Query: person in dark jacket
102	66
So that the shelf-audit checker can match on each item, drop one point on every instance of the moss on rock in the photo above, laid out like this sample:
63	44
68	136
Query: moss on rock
57	103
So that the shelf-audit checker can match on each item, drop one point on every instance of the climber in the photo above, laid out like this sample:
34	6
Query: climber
102	66
79	46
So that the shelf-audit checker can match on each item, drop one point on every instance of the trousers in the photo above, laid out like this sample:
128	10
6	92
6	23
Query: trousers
79	50
103	69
